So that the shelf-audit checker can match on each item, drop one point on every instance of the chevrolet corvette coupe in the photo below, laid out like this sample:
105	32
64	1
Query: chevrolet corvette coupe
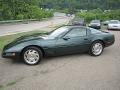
64	40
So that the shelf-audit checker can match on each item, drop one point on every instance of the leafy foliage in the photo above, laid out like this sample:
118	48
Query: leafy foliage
22	9
82	4
99	14
71	6
31	9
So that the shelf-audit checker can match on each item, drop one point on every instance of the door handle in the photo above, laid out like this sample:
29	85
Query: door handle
66	38
85	38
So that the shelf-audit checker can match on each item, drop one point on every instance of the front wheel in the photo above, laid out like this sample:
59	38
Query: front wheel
32	55
96	48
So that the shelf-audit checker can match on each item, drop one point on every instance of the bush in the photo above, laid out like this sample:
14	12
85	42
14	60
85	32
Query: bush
35	12
99	14
20	16
23	11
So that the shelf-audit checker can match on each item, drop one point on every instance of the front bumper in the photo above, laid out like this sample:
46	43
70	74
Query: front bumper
10	55
113	27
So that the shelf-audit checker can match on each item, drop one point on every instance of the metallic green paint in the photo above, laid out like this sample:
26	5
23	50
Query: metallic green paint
60	45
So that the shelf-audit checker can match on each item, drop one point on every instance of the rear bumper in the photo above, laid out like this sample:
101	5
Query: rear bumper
110	42
107	44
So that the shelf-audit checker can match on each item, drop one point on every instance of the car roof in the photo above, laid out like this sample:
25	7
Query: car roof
73	26
114	21
95	21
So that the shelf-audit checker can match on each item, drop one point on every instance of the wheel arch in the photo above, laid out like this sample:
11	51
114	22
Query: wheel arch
97	40
100	41
33	46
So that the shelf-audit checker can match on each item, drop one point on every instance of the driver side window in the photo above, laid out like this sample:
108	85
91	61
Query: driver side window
76	32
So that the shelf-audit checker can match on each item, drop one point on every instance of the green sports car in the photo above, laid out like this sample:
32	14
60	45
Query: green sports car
63	40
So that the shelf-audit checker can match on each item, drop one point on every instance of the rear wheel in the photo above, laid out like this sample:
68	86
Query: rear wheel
96	48
32	55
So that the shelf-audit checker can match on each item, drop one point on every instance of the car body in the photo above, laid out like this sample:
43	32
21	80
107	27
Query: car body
64	40
95	24
79	21
114	25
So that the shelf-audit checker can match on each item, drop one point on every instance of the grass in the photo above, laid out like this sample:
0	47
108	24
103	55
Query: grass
10	83
1	86
7	39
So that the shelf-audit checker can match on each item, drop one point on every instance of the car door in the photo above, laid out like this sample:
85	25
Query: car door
76	40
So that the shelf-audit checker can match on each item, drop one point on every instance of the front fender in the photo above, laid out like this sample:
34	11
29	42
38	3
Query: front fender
20	46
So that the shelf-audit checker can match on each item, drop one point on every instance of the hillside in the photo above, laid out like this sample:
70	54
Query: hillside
82	4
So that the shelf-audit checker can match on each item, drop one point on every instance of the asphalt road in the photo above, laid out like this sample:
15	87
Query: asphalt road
8	29
72	72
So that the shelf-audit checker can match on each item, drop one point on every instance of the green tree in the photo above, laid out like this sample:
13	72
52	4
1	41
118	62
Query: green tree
20	9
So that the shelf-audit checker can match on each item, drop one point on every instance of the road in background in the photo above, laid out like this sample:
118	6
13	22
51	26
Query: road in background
8	29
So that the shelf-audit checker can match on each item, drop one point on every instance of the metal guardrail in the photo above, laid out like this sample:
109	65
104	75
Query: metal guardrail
25	20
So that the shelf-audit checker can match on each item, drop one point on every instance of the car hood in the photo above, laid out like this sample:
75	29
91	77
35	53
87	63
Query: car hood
26	38
94	23
31	37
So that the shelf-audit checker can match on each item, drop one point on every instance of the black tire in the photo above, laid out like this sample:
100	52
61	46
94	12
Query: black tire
35	49
91	48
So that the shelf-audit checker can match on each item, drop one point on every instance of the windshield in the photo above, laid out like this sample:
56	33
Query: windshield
93	31
95	21
57	32
114	22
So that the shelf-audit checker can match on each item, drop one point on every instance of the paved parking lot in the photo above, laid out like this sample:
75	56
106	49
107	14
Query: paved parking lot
72	72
